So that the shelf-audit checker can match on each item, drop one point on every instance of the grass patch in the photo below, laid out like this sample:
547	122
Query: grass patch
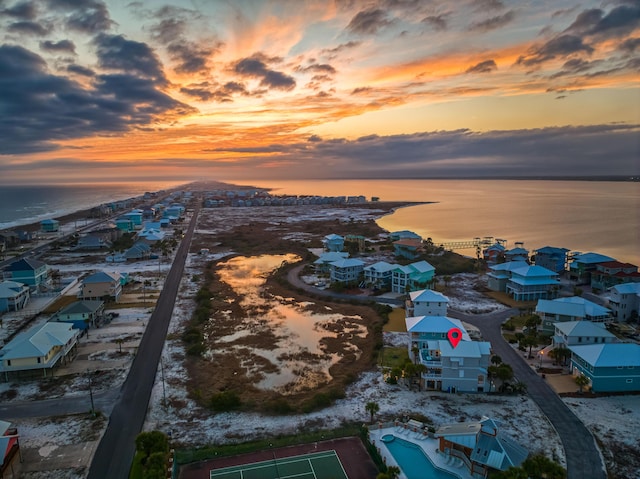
396	321
186	456
504	298
393	357
60	303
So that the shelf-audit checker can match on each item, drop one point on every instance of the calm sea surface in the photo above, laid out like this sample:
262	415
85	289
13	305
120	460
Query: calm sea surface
597	216
24	204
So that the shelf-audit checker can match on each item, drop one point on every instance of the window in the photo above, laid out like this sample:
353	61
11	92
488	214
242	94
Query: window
629	381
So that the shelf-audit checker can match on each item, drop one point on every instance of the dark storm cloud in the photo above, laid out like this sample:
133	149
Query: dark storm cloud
560	46
438	22
493	23
255	67
60	46
486	66
88	16
630	45
191	58
368	22
115	52
80	70
30	28
620	21
22	10
40	108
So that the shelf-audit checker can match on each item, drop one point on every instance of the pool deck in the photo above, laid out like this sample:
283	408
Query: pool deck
427	444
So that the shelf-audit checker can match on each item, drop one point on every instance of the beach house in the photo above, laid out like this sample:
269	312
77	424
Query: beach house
573	308
552	258
49	226
404	234
500	274
102	286
38	350
378	275
347	270
481	446
81	314
581	265
519	253
323	263
574	333
625	301
408	248
611	273
426	302
533	282
610	367
14	296
29	271
411	277
333	242
494	254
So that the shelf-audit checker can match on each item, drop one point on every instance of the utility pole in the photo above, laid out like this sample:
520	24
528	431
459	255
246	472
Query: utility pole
93	409
164	392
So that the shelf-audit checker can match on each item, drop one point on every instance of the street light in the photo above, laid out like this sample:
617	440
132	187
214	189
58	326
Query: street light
541	353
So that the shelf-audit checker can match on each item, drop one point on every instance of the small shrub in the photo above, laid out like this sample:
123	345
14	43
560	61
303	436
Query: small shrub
225	401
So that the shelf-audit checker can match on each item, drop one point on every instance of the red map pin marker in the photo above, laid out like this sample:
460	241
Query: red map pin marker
454	335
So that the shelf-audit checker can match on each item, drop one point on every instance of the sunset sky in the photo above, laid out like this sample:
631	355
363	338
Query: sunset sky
183	90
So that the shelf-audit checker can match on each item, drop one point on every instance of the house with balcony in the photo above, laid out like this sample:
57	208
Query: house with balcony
519	253
575	333
494	254
14	296
533	282
81	314
38	350
29	271
378	275
92	242
135	216
411	277
408	248
323	263
348	270
611	273
481	446
102	286
125	224
333	242
624	301
552	258
582	265
610	367
404	234
574	308
459	369
426	302
500	274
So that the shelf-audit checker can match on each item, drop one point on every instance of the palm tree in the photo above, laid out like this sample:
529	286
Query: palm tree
372	408
119	342
582	381
495	359
393	472
416	351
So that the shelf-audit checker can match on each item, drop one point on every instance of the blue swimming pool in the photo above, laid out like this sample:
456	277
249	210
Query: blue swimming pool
412	460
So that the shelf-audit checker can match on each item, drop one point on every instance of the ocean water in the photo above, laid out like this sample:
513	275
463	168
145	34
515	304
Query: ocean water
24	204
582	216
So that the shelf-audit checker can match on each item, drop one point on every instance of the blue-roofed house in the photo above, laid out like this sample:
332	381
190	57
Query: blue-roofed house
482	446
139	250
39	349
323	263
125	224
610	367
29	271
49	226
574	333
625	301
573	308
378	275
14	296
426	302
583	264
463	368
333	242
404	234
500	274
533	282
102	286
552	258
412	277
81	314
135	216
519	253
347	270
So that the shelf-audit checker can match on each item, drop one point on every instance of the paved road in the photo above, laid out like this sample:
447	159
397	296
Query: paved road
116	450
103	401
583	457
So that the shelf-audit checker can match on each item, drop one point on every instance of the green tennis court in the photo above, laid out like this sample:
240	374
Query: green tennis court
320	465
